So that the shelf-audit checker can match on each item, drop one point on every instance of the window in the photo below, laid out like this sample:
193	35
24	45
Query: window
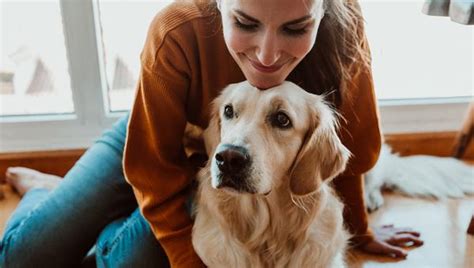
121	42
34	77
87	42
415	55
422	66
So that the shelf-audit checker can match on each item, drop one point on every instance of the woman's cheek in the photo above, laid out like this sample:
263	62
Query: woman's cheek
238	42
300	49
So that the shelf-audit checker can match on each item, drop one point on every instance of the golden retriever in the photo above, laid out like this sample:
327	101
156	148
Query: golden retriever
263	198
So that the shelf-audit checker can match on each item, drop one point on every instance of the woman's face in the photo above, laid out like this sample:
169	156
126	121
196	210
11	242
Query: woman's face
268	38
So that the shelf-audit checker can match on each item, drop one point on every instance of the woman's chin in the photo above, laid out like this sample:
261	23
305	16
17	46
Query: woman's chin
265	84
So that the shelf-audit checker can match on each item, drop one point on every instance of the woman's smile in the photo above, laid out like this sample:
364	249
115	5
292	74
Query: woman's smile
265	69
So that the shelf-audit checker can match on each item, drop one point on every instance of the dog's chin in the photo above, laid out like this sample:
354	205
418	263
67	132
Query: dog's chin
231	191
235	190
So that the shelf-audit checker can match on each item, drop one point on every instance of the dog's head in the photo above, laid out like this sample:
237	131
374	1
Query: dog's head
260	139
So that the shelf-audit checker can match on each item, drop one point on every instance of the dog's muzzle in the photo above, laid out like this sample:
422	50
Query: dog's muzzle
233	163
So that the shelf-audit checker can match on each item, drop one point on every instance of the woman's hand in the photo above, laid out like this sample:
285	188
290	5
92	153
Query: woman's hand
389	241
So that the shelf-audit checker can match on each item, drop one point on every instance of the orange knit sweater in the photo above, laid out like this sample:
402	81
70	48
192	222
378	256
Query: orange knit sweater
185	64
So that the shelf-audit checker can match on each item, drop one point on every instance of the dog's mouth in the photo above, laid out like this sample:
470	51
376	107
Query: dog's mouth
235	184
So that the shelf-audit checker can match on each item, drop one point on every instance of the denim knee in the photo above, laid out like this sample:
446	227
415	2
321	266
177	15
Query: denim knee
19	247
15	253
19	251
129	242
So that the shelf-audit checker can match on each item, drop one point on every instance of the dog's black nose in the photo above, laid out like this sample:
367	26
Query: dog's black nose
233	159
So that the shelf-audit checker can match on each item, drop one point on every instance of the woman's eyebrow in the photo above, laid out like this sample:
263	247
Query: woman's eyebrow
300	20
252	19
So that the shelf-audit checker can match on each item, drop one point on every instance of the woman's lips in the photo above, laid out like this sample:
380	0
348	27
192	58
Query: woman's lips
265	69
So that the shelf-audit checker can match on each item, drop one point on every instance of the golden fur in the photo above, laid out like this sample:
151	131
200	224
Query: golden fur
293	218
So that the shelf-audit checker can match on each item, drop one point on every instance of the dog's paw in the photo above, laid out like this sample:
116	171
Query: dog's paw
374	200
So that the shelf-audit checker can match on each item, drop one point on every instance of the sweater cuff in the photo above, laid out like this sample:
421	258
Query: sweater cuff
179	249
359	240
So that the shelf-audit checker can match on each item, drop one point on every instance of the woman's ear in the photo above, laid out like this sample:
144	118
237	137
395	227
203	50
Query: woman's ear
322	155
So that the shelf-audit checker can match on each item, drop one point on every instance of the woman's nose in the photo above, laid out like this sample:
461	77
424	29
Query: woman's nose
268	49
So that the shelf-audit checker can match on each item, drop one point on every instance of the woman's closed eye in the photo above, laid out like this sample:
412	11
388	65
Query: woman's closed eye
298	28
291	30
245	25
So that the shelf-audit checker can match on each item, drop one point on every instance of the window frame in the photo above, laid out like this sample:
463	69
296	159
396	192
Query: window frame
422	115
92	116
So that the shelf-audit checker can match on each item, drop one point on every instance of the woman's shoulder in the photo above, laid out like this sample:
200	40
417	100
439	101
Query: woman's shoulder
181	20
180	12
178	15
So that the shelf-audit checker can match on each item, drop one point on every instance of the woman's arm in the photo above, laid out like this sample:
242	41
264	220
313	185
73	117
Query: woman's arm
360	132
154	160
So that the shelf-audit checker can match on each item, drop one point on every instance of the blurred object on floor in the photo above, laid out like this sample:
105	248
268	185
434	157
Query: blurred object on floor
466	133
418	176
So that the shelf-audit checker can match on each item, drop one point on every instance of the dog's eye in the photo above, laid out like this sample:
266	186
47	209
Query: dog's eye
281	120
228	111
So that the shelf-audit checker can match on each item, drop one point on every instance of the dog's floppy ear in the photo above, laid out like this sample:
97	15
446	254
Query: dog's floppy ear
322	155
212	134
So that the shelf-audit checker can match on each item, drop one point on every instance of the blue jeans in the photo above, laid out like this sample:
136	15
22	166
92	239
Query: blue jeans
92	206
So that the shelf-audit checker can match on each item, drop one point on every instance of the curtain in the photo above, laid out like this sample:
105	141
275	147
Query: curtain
460	11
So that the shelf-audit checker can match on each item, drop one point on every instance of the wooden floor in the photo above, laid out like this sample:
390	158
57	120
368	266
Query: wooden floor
443	226
7	205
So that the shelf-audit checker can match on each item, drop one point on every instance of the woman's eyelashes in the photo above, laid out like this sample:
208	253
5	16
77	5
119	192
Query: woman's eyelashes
251	27
297	31
288	30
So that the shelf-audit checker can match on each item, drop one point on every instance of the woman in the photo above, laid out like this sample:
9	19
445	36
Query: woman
193	50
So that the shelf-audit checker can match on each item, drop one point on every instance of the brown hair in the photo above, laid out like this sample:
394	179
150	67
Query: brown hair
340	51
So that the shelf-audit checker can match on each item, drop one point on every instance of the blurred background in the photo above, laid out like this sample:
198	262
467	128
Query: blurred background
69	68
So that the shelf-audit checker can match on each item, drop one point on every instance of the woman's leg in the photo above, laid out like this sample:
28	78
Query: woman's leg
129	242
57	229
